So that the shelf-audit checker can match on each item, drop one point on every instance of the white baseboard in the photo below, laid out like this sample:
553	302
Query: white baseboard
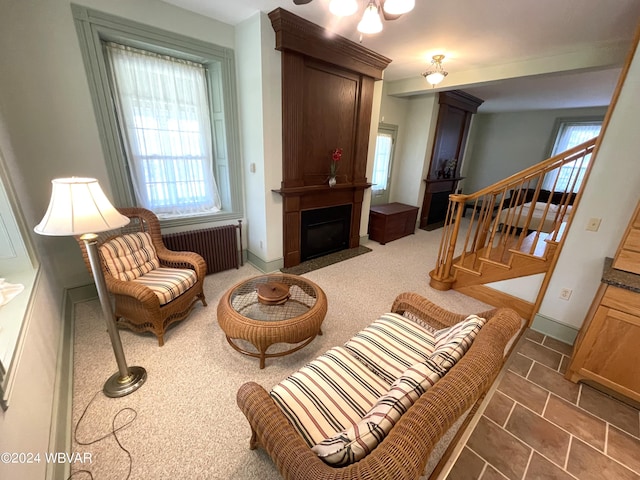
60	435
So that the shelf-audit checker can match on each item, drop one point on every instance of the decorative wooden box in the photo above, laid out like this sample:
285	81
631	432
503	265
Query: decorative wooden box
391	221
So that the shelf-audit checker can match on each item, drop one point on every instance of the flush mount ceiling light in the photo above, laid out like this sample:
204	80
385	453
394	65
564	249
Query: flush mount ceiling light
371	22
436	73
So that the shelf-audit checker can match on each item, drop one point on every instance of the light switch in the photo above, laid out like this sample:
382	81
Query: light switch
593	224
252	167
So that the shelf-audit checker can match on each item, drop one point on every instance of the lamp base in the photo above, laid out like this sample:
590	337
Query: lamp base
118	386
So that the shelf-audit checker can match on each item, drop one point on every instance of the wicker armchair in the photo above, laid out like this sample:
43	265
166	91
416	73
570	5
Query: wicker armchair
137	307
404	452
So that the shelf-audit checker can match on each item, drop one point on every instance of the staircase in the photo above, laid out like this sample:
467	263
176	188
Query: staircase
515	228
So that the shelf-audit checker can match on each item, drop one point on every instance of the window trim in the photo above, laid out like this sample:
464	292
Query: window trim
18	310
94	27
560	121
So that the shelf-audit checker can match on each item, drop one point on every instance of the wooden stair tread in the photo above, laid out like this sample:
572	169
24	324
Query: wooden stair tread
467	270
534	245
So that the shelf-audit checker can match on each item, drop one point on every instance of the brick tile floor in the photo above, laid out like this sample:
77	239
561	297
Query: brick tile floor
538	425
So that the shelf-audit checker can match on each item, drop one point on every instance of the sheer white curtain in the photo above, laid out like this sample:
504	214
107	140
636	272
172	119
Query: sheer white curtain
569	177
380	176
164	114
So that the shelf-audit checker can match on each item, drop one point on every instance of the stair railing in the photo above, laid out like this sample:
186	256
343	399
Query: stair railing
512	214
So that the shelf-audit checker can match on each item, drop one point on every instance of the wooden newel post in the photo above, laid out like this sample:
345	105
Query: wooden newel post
441	277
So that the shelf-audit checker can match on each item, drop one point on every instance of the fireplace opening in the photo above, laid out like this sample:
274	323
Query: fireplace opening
324	231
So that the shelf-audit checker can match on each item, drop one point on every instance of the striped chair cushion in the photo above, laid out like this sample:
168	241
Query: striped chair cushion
328	395
129	256
354	443
391	344
453	342
168	283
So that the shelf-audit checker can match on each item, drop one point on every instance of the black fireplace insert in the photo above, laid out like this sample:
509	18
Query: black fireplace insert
324	231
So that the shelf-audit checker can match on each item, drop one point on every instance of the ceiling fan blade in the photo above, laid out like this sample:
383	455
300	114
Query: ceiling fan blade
301	2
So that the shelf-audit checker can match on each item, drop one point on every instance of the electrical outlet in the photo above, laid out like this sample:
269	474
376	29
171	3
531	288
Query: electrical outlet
593	224
565	293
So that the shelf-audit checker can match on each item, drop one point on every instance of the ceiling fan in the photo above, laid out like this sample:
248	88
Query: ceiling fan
370	23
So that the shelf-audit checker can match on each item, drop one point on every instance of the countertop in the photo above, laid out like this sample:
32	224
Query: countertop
620	278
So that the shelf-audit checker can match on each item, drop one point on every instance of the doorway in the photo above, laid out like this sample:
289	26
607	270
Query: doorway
383	160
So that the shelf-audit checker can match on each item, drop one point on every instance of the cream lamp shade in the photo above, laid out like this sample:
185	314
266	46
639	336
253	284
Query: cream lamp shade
371	22
398	7
79	206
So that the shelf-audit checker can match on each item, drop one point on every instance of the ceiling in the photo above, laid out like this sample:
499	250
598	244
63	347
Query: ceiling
579	46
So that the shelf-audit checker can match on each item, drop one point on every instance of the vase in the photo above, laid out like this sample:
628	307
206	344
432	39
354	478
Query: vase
332	181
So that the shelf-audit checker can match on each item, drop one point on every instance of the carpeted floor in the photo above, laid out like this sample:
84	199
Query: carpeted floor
187	423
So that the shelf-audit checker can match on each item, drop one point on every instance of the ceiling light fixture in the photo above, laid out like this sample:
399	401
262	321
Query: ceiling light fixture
343	8
436	73
398	7
371	22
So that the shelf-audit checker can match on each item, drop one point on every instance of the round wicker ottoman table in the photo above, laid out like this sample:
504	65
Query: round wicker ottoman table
271	309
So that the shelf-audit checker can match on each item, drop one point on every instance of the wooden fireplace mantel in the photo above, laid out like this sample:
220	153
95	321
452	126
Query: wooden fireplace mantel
327	99
306	190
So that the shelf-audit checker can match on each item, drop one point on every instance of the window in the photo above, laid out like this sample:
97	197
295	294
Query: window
19	268
570	134
166	110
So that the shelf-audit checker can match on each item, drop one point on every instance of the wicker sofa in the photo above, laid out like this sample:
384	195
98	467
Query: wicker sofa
405	450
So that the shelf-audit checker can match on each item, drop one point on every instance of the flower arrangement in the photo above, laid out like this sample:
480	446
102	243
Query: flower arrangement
336	155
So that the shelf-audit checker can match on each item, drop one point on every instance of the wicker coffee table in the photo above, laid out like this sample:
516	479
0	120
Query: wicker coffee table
272	309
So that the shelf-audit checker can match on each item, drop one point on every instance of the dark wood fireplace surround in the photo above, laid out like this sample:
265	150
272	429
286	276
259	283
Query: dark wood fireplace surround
327	97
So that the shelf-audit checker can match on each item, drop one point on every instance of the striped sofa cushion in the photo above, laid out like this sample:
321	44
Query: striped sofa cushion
328	395
391	344
168	283
453	342
129	256
354	443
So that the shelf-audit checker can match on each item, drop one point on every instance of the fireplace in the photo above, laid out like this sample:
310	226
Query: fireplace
328	85
324	231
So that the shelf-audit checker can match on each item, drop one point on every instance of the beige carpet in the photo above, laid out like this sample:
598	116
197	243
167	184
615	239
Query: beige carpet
188	424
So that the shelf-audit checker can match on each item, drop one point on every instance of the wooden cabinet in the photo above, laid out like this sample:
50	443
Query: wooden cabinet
391	221
452	129
607	350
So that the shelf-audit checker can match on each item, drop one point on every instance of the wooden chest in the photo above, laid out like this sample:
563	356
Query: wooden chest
391	221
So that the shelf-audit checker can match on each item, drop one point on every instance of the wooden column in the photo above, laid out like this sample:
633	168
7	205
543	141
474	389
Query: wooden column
452	129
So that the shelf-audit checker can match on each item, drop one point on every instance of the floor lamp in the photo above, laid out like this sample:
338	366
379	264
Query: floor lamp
79	207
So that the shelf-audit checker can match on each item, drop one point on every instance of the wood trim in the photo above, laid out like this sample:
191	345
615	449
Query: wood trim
461	100
594	157
498	299
292	117
627	255
583	373
295	34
